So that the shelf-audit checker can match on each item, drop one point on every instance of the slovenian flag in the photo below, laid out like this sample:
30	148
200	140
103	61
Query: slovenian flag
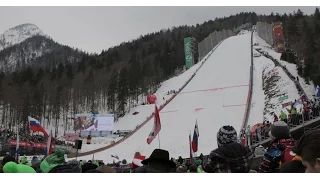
36	126
195	138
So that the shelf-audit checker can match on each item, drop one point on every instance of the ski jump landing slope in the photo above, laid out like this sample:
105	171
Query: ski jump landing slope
216	96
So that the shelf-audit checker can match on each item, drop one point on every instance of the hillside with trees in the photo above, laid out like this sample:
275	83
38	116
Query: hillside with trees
69	81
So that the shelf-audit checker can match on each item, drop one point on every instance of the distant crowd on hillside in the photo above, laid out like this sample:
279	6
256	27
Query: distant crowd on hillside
24	136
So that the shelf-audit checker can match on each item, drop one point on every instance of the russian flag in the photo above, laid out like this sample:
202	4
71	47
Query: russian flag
195	138
36	126
190	148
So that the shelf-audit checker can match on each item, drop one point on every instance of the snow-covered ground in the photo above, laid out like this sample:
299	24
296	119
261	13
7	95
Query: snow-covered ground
130	121
285	85
258	96
18	34
309	89
210	97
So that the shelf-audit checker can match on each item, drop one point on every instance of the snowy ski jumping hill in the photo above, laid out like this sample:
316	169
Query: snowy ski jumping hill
216	96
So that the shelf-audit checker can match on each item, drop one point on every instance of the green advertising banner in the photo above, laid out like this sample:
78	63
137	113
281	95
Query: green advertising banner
188	52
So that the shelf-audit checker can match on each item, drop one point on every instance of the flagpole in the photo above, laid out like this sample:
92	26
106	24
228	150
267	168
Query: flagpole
159	139
17	144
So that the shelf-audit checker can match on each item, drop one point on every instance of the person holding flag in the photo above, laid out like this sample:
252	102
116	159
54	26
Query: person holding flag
195	138
36	126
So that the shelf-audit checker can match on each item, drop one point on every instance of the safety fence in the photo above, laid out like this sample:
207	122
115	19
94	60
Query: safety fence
206	45
265	31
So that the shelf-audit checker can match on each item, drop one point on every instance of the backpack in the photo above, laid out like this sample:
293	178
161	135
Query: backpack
288	154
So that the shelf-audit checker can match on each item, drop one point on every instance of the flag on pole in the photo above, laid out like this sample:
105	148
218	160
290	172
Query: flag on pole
190	148
136	162
36	126
195	138
156	126
49	144
17	145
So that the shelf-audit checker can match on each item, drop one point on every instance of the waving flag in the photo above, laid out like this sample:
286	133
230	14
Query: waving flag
190	148
136	162
195	138
36	126
156	126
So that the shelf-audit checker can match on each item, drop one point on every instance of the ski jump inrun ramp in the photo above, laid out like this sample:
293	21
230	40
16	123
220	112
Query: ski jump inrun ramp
216	96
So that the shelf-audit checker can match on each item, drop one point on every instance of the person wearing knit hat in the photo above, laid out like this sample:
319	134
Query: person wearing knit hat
88	166
12	167
63	168
55	159
279	130
24	160
226	135
106	169
95	163
280	150
8	159
75	165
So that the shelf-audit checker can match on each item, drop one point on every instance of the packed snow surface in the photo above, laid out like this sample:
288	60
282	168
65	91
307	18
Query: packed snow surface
215	97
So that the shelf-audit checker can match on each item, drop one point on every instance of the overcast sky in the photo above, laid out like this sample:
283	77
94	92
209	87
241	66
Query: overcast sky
96	28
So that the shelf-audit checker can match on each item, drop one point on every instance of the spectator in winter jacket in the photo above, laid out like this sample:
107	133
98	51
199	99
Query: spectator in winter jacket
55	159
180	160
8	159
63	168
193	169
283	116
308	147
230	156
275	117
106	169
158	162
181	169
258	155
75	165
12	167
295	166
88	166
24	160
279	151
